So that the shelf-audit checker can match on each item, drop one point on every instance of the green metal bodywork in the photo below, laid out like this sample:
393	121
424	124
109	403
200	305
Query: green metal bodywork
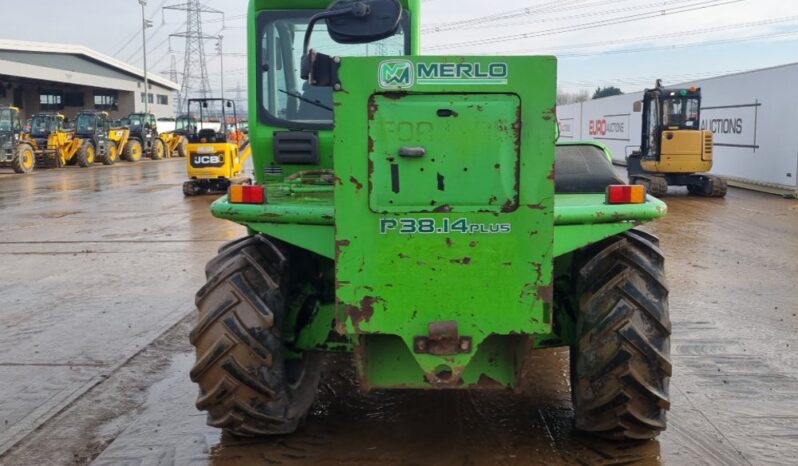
445	259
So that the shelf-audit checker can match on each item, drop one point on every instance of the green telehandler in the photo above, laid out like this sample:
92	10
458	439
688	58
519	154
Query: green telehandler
410	210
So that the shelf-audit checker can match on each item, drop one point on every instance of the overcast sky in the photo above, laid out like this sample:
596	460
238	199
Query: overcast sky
677	40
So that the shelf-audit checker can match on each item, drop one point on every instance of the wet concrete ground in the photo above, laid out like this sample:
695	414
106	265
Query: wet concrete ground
96	306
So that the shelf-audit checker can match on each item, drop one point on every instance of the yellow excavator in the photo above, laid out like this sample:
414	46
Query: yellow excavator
217	149
674	150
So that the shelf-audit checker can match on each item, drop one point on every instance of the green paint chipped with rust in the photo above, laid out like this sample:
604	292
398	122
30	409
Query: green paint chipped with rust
419	213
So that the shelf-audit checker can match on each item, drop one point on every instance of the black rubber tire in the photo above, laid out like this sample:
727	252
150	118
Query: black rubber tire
159	150
111	154
25	161
133	151
247	385
182	147
620	367
87	155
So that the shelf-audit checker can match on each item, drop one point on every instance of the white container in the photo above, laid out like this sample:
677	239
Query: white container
754	116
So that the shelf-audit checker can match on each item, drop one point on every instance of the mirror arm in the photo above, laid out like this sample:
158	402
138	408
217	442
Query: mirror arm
324	15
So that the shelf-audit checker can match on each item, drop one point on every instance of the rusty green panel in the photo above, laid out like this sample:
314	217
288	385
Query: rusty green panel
458	172
391	364
449	273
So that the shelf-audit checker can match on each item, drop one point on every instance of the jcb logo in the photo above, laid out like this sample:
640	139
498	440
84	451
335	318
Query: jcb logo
207	160
396	74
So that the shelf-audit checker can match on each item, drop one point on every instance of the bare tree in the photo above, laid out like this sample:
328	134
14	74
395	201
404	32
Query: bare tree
565	98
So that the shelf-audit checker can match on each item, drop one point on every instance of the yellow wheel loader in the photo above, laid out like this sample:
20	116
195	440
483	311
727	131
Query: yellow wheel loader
120	137
94	127
176	145
216	150
674	150
15	152
53	146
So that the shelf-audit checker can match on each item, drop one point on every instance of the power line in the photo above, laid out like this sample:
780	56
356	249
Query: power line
136	33
195	69
658	37
583	26
657	6
682	46
550	6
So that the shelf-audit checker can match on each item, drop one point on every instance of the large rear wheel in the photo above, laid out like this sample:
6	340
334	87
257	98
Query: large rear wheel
25	161
158	150
133	151
111	154
248	383
620	367
182	147
86	155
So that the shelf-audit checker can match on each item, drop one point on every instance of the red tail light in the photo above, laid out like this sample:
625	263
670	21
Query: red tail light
626	194
244	194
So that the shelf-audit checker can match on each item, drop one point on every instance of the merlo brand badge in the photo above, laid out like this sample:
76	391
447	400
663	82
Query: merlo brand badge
396	74
401	74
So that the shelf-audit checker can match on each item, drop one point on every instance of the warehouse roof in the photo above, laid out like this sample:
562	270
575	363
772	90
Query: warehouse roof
86	53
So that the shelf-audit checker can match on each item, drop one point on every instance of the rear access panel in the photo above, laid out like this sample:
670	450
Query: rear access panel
444	226
444	152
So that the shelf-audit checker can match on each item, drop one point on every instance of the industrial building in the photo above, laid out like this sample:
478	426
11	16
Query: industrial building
754	116
39	77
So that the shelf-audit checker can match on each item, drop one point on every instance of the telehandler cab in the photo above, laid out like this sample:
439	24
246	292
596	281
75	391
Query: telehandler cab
144	138
52	144
217	150
408	209
674	150
14	151
94	128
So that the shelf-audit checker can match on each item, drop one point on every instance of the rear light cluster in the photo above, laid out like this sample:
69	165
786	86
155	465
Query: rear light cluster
626	194
244	194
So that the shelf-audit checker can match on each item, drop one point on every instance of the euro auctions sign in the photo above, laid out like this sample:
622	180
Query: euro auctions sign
610	127
402	74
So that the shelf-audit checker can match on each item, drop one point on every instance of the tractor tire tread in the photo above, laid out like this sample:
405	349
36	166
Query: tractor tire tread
240	355
621	364
83	155
18	166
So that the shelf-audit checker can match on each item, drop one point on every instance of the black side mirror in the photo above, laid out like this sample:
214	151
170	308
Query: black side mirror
349	22
229	104
364	21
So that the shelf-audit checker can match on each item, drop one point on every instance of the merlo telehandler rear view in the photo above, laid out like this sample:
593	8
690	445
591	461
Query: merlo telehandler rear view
408	209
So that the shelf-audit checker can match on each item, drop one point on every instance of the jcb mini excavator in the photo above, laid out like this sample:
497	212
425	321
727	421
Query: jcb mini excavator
674	150
216	151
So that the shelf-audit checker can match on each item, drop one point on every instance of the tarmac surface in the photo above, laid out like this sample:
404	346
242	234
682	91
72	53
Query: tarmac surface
100	267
